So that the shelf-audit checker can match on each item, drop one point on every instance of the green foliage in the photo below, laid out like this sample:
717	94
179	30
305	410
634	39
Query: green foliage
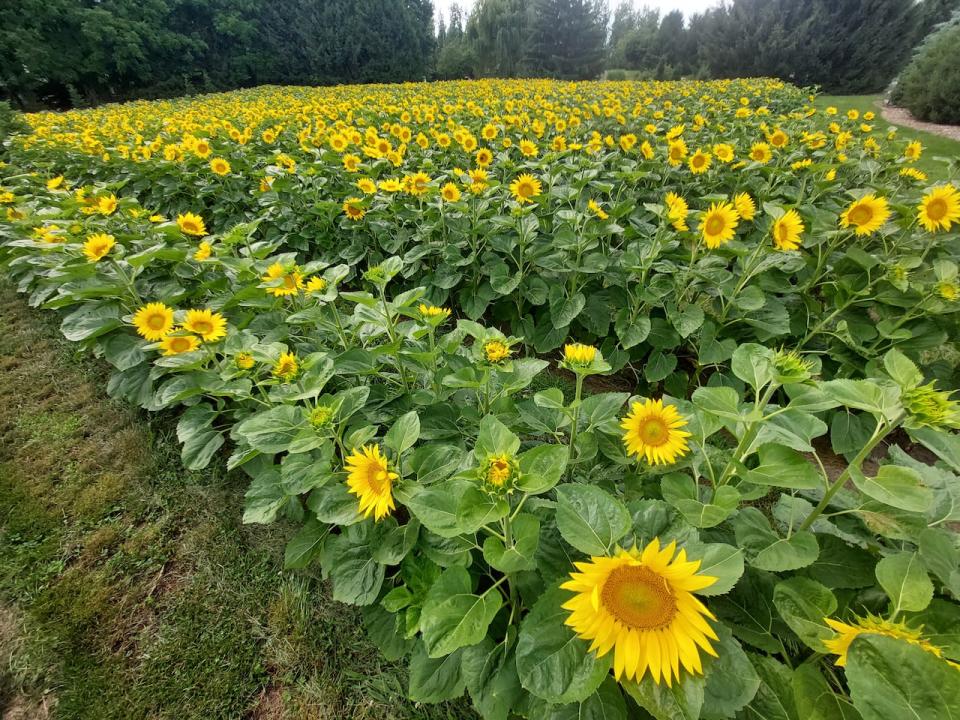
930	85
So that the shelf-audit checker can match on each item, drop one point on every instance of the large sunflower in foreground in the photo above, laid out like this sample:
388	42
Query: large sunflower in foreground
641	605
655	431
940	208
717	225
839	645
154	321
370	479
525	188
866	215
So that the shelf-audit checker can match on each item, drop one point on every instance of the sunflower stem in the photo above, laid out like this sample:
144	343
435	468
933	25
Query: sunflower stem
574	425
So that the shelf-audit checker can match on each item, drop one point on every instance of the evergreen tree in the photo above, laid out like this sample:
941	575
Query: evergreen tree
497	31
568	38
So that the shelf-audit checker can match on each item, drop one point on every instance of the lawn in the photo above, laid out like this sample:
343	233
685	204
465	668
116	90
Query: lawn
934	146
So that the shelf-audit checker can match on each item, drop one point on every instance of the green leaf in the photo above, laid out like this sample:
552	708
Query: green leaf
753	364
552	661
273	430
434	462
683	701
606	703
718	560
813	693
774	698
434	680
731	681
520	554
841	565
590	519
892	679
803	604
542	467
334	503
491	675
452	616
723	402
91	320
123	351
495	438
631	331
403	433
348	560
878	398
659	365
902	369
305	545
946	445
688	320
436	505
477	508
682	491
898	487
781	466
200	441
767	550
940	555
264	498
904	578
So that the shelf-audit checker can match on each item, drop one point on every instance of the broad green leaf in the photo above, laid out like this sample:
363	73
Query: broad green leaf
491	676
720	401
403	433
753	364
904	578
590	519
784	467
542	467
495	438
768	551
892	679
731	681
91	320
305	545
552	661
683	701
774	698
681	491
818	700
803	604
878	398
348	561
434	680
273	430
452	616
606	703
940	554
898	487
945	444
519	555
200	440
436	505
123	350
718	560
902	369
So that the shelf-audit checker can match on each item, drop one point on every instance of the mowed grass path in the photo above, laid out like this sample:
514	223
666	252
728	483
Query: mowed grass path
933	145
128	587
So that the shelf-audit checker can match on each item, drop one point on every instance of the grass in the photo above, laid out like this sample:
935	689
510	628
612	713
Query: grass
933	145
128	587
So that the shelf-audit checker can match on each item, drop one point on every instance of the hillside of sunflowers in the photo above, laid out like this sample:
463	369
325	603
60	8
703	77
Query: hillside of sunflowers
598	399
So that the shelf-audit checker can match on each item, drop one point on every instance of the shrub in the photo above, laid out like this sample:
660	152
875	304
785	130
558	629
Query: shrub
930	85
10	122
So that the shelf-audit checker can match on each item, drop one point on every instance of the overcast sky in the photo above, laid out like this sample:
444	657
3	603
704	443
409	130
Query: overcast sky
689	7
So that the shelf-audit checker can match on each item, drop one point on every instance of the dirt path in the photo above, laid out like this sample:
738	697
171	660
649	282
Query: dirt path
902	116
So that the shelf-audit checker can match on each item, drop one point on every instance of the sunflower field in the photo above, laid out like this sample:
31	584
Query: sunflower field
602	400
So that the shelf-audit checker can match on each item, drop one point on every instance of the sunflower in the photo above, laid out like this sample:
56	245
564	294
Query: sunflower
940	208
287	367
210	326
496	351
97	246
699	162
366	186
55	183
153	321
292	280
528	149
179	344
718	224
450	192
369	478
913	151
745	206
866	215
107	204
484	157
913	173
220	166
839	645
760	153
594	207
641	605
677	211
353	209
579	354
417	184
655	431
724	152
779	138
676	152
525	187
316	285
191	224
244	360
351	163
432	313
787	230
204	250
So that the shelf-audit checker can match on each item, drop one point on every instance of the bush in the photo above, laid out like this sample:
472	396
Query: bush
10	122
930	85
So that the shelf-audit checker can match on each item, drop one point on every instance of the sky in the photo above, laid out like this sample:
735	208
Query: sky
689	7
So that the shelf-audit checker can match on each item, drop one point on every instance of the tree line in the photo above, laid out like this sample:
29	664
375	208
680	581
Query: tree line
63	53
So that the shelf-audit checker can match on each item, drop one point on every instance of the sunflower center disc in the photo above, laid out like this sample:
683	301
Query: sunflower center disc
156	322
638	597
861	215
715	225
203	327
937	209
654	432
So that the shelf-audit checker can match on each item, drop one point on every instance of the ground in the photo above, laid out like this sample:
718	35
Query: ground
934	145
128	587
